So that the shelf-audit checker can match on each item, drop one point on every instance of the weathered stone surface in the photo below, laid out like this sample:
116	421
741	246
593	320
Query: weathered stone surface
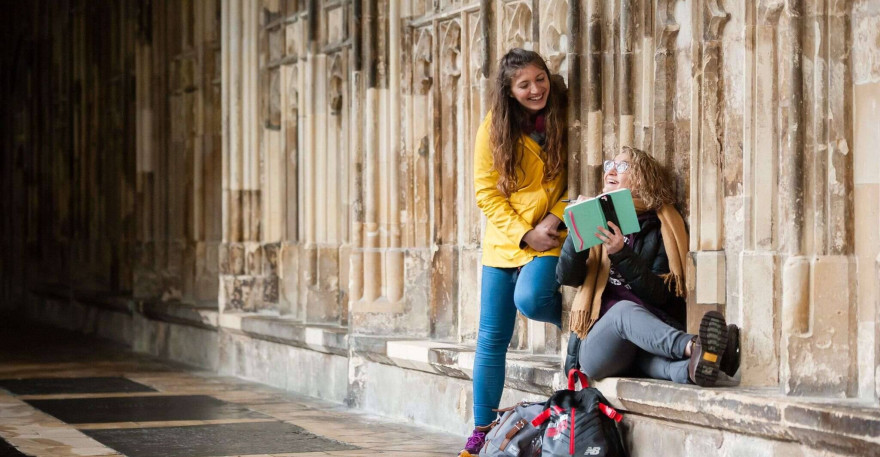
289	281
283	366
866	201
760	324
313	160
816	353
329	339
237	259
742	412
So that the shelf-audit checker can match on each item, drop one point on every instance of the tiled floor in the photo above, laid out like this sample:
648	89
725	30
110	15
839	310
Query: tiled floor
62	394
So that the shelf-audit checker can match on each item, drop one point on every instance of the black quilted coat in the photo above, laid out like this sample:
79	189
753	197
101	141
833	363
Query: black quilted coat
641	264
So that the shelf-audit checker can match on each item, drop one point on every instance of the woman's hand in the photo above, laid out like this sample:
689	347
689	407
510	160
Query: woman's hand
612	239
544	236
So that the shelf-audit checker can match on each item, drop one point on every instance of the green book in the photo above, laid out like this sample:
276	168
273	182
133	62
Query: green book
583	218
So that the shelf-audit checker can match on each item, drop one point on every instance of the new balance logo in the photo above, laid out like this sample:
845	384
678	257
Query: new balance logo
593	450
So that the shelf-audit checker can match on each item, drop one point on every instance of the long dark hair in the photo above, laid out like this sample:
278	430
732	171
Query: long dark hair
508	117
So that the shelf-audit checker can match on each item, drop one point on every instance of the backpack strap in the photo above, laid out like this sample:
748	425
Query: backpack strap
610	412
541	418
573	374
512	432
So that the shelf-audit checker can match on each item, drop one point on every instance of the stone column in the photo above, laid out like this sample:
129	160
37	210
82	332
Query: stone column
866	194
475	84
206	211
758	261
327	156
818	334
290	104
707	268
663	84
591	172
448	104
574	117
146	283
250	51
308	186
232	259
356	149
394	255
625	75
372	267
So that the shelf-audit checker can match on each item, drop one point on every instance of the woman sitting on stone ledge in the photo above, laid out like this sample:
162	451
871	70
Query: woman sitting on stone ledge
630	305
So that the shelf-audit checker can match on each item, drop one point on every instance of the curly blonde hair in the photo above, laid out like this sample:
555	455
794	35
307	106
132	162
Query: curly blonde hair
650	180
508	117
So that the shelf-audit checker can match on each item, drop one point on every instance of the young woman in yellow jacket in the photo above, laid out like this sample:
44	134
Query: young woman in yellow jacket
520	182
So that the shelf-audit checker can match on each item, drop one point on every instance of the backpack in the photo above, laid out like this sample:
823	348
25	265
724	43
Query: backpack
513	435
579	423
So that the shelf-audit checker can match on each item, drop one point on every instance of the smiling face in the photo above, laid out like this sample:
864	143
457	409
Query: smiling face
613	180
530	86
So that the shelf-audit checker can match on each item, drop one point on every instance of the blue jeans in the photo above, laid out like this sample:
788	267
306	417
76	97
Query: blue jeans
532	289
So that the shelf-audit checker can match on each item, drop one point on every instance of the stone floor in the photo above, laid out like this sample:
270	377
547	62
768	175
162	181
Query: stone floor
62	394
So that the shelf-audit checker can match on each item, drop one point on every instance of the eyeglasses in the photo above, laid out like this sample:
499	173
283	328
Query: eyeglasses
621	166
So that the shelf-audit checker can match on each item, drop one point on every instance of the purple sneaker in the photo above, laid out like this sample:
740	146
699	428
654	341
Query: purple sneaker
475	442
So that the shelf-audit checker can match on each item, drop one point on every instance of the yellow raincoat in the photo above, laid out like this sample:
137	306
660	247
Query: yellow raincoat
509	218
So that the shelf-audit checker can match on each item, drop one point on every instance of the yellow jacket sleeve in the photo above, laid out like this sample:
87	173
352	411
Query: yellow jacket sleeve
559	208
491	201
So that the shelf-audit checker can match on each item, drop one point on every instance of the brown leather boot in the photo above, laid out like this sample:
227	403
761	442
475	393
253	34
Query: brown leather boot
707	350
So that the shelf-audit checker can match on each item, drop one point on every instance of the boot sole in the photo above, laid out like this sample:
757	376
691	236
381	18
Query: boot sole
713	339
730	361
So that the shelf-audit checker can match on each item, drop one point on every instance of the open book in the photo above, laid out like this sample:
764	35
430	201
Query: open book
583	218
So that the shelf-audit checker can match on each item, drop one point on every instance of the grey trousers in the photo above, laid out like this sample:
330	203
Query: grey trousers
629	340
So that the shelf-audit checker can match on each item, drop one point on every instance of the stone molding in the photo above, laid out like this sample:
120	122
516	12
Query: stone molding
843	426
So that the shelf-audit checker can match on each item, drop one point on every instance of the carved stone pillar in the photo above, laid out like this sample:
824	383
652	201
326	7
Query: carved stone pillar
207	210
448	132
474	85
308	255
394	256
289	107
625	75
146	280
866	193
818	337
592	145
241	256
663	126
758	261
372	271
707	288
574	114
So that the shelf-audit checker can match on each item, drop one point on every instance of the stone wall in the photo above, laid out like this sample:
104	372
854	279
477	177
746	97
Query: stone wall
68	165
306	165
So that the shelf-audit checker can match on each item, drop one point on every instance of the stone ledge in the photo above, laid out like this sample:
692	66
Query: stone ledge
121	303
203	315
330	339
539	374
845	426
